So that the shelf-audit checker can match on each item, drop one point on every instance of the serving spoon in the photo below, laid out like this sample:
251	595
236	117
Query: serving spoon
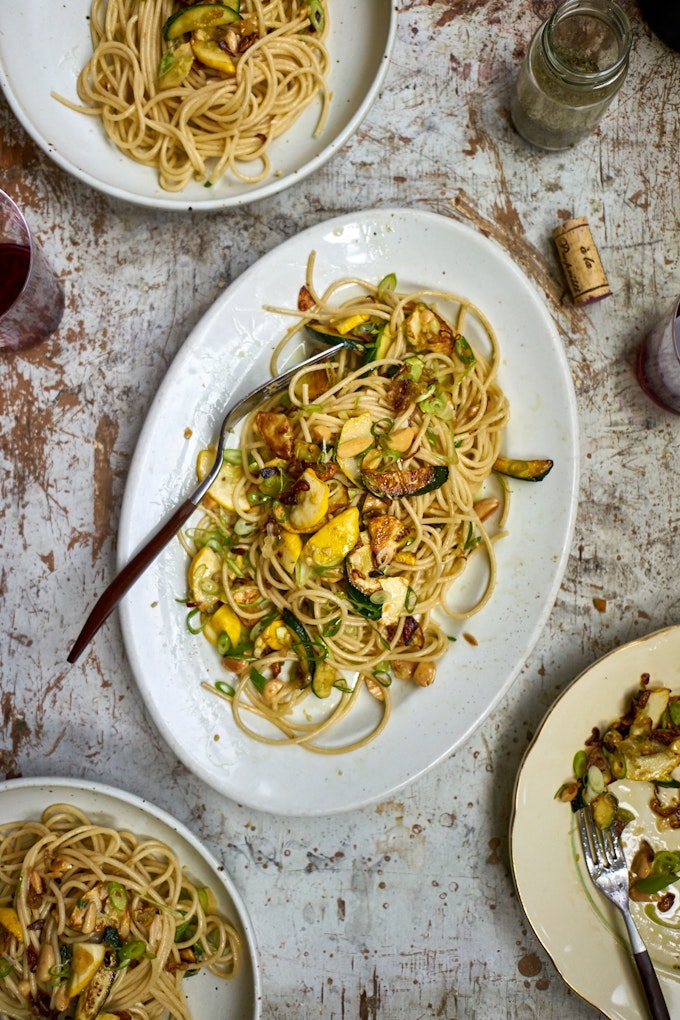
124	580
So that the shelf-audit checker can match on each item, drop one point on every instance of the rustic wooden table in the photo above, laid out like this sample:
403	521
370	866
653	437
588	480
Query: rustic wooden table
406	908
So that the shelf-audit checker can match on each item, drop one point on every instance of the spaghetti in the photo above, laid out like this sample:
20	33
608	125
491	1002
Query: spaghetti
94	919
211	99
347	512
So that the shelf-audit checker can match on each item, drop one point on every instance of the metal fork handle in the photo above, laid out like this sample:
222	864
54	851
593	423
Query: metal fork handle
658	1010
124	580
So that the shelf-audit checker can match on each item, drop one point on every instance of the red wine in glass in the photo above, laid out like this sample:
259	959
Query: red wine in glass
31	294
15	261
658	363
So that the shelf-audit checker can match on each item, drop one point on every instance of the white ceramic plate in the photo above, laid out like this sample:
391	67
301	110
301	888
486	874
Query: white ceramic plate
578	928
42	52
209	999
236	334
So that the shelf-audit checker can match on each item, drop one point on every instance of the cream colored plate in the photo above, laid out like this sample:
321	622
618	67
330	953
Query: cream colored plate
580	930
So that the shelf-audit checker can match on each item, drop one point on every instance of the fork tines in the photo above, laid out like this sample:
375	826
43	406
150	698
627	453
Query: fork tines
601	847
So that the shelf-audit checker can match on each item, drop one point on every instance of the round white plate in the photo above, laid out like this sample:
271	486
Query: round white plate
208	998
236	336
578	927
43	52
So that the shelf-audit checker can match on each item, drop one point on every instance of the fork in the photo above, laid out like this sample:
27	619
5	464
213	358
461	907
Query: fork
607	868
124	580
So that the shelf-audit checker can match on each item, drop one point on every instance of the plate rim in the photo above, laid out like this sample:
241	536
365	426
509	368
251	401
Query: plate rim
186	352
152	810
663	633
271	185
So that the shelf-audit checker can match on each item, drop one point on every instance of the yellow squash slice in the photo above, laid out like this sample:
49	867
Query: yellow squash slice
204	571
308	513
222	489
331	543
223	619
288	550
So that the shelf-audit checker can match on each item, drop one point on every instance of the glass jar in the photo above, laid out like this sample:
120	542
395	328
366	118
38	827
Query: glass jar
576	63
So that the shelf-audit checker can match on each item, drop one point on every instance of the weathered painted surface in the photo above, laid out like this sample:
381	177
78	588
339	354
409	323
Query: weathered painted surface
405	909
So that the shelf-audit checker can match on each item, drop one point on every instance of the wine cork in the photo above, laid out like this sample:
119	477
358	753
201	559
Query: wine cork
580	261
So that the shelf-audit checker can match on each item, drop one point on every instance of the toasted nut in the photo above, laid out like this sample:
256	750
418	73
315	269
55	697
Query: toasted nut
35	881
374	687
57	867
46	960
61	997
642	862
353	447
402	439
485	507
90	919
305	300
237	666
321	433
371	460
270	690
24	987
403	669
424	674
232	40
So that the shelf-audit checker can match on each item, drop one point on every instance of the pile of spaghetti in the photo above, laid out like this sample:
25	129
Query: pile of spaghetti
350	507
198	90
95	921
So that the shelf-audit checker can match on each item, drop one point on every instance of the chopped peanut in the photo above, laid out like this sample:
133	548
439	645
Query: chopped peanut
402	439
321	433
403	669
353	447
485	507
374	687
424	674
46	961
271	689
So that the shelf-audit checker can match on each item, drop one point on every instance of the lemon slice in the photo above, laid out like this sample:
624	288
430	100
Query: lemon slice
9	919
205	590
86	960
222	489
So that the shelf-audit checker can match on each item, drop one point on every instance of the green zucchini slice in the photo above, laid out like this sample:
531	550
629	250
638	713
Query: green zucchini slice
188	19
395	482
327	335
360	598
302	644
324	678
527	470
